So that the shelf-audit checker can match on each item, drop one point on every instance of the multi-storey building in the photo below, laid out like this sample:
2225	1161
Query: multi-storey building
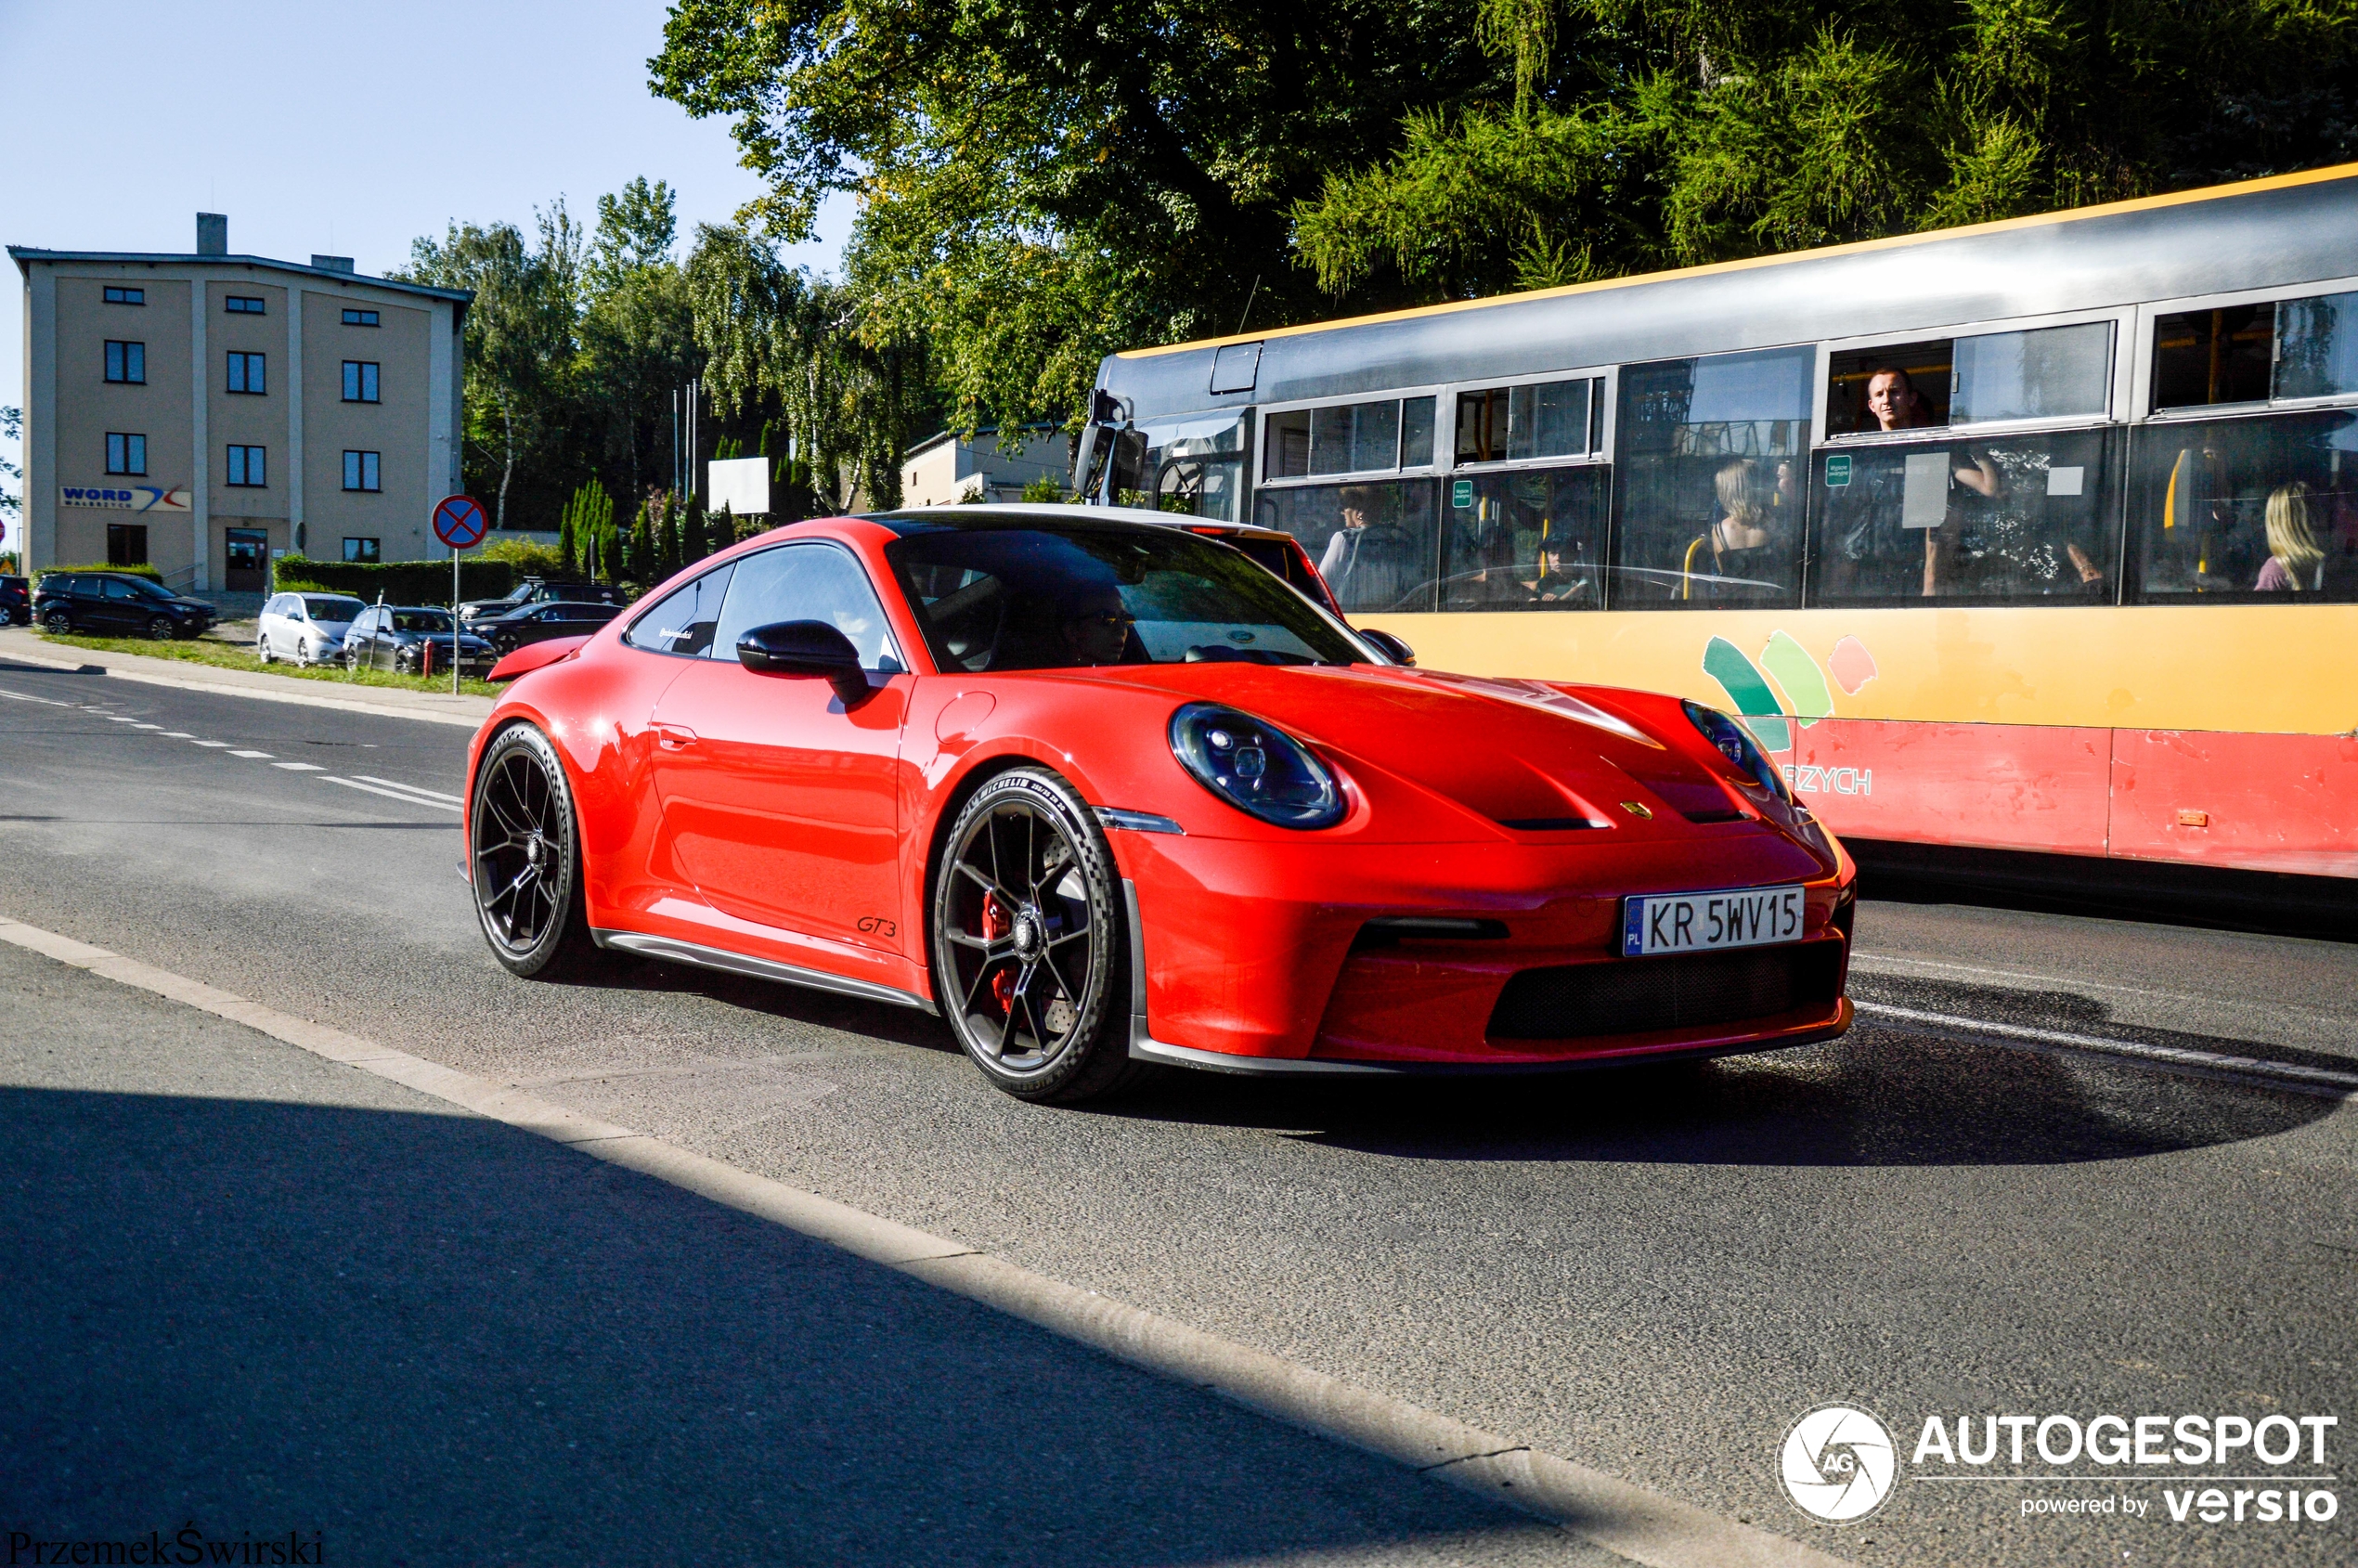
198	412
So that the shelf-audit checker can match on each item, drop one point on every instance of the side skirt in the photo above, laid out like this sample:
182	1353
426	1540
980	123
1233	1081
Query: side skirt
703	958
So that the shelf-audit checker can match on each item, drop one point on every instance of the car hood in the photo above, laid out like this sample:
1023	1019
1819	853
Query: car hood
1520	756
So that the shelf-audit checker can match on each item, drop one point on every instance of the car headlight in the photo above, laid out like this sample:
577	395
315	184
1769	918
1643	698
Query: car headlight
1254	767
1733	742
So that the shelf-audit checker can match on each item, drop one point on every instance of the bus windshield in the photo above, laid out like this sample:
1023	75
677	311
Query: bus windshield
1065	597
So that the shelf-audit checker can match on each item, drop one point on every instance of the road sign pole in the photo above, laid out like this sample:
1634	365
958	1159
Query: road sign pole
453	620
458	522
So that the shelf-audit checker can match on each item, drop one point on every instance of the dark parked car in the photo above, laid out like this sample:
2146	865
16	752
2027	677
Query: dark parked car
539	590
537	623
118	604
395	637
16	601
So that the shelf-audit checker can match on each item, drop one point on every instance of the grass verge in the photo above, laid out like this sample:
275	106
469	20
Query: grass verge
232	656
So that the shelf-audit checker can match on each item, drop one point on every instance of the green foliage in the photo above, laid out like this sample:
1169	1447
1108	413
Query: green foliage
1648	134
12	474
142	570
587	517
529	557
399	582
1047	490
1041	183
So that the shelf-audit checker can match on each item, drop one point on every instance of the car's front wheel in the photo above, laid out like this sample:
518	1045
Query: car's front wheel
1029	960
162	628
524	838
262	648
352	661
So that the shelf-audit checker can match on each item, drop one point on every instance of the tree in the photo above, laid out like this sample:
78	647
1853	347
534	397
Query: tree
587	517
637	335
1042	182
1643	134
11	473
519	331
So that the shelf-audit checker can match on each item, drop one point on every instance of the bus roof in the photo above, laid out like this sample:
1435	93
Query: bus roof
2282	231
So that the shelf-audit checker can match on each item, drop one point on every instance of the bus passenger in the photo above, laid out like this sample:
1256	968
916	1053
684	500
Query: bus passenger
1741	553
1870	558
2295	562
1342	550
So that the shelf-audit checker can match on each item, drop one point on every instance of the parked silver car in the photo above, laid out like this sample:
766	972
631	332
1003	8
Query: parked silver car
306	629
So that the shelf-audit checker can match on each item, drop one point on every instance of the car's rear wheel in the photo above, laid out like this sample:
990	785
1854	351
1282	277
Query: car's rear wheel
524	840
161	629
58	623
1029	958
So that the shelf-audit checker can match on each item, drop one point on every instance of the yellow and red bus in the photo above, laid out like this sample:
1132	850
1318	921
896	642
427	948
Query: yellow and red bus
2039	535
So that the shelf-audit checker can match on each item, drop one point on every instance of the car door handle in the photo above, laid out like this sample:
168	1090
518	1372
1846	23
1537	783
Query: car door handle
673	737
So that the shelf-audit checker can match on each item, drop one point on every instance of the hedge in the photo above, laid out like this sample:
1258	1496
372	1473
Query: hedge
142	570
399	582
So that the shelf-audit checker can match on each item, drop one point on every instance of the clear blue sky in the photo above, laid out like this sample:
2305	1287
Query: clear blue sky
329	126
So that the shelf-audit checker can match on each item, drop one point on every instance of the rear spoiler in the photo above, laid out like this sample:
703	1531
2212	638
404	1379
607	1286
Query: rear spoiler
534	655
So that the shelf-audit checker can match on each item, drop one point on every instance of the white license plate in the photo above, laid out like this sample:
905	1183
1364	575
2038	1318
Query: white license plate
1659	923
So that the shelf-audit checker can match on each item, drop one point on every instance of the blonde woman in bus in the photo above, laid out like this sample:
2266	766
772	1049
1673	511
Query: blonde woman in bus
1737	540
2295	562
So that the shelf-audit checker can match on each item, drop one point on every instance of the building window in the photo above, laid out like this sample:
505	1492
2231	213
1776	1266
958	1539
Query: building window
127	362
360	471
126	296
126	544
247	374
359	318
249	468
126	454
361	551
245	305
359	380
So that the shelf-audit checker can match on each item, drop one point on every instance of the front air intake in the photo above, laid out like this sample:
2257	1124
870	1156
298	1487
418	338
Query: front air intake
1639	995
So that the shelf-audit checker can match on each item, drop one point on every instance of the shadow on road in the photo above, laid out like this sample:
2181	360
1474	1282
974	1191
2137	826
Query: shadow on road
434	1339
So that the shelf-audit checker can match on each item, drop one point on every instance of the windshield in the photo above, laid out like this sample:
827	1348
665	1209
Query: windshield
334	609
147	589
1065	597
420	620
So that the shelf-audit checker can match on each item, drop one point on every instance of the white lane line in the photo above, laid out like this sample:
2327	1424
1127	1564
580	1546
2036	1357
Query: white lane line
175	735
147	726
1868	959
208	743
1604	1510
2177	1056
429	794
257	756
300	767
28	698
389	795
120	718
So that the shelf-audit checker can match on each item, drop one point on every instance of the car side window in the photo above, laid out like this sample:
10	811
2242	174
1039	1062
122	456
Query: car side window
117	589
808	582
682	620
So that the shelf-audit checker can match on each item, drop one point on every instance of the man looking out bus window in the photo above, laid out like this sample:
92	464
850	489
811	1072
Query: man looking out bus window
1895	405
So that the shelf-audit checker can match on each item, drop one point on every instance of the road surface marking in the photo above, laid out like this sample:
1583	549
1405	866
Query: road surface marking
300	767
28	698
1874	961
1603	1510
208	743
258	755
388	793
2287	1074
429	794
175	735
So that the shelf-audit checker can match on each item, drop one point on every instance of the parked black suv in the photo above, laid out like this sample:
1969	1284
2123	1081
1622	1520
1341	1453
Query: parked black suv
16	601
118	604
538	623
539	590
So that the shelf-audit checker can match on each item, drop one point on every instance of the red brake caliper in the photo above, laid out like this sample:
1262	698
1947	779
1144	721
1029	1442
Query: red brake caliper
996	923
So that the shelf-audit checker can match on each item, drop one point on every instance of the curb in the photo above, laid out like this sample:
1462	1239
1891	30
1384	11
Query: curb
1601	1509
469	711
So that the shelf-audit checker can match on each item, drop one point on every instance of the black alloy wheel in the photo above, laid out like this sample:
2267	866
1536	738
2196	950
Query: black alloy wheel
524	846
58	622
1028	957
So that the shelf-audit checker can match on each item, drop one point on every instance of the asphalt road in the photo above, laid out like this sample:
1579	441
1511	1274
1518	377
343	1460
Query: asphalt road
1652	1273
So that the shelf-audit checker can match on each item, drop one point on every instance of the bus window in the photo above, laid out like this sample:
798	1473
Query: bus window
1197	461
2317	346
2005	520
1710	453
2262	508
1525	538
1924	367
1520	423
1374	541
1341	438
2051	372
2203	356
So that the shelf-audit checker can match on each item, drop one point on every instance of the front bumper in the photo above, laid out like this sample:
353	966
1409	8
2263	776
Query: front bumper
1250	956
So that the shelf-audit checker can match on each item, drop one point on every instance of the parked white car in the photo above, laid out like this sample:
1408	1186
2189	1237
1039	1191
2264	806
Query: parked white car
305	628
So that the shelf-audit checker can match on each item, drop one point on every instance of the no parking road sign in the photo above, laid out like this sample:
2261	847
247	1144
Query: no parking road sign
458	522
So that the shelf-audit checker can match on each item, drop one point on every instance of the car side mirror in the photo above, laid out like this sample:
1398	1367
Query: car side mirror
1390	647
805	648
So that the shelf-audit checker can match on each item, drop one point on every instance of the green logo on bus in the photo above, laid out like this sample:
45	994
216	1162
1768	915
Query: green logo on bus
1461	493
1838	470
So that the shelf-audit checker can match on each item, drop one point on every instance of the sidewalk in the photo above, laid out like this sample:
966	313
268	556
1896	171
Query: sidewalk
24	644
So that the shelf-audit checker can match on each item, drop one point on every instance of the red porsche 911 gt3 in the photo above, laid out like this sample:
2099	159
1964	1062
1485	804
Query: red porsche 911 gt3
1104	792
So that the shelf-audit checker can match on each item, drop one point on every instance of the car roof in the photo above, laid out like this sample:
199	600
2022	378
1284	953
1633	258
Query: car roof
989	514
